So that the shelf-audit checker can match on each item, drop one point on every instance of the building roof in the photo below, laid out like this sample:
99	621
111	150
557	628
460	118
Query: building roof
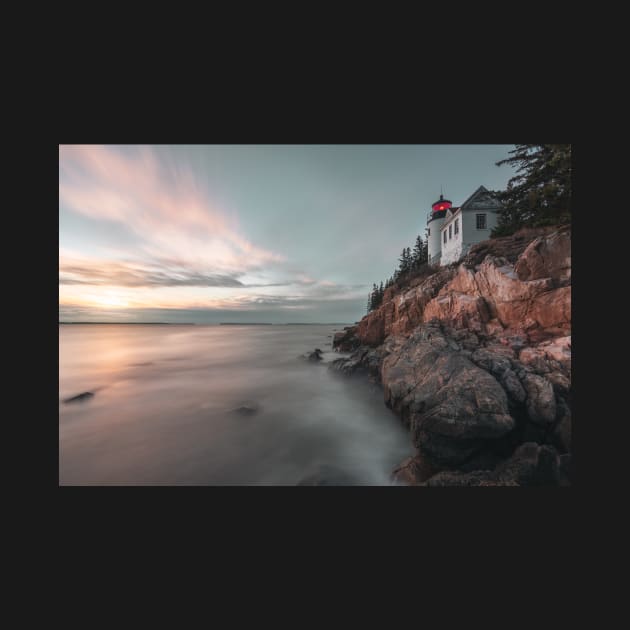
454	212
480	191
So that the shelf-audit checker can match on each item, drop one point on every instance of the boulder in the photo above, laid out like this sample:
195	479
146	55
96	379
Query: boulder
347	365
314	356
512	386
546	256
495	363
530	464
541	400
450	404
413	471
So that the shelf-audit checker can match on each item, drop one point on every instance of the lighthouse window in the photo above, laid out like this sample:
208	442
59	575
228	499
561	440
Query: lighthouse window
445	236
450	232
456	226
481	221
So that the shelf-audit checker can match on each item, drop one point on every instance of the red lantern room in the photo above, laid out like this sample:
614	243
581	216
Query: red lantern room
441	204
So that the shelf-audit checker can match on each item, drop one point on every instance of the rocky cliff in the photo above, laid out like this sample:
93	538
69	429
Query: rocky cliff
476	360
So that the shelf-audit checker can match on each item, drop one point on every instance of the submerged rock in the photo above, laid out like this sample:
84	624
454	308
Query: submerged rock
329	476
346	365
83	397
316	355
247	410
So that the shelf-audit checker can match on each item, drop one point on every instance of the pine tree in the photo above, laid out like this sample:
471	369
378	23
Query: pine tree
405	261
373	297
540	192
419	254
402	262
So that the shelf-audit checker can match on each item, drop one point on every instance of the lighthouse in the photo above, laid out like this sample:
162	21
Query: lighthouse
434	225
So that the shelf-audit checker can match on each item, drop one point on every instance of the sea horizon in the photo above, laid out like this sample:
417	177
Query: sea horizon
214	323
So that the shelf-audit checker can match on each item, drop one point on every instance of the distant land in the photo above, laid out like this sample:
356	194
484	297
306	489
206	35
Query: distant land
220	323
285	324
245	324
133	323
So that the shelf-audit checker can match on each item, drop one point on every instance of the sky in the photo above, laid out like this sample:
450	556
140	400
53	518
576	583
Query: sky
247	233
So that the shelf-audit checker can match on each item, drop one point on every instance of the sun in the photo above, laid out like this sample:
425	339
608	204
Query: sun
111	300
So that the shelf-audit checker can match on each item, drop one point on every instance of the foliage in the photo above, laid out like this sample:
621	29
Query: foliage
409	263
540	192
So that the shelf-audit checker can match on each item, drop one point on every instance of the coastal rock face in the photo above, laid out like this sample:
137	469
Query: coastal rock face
401	313
530	297
346	339
546	257
476	360
451	405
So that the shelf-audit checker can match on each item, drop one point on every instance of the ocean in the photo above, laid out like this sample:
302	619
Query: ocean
217	405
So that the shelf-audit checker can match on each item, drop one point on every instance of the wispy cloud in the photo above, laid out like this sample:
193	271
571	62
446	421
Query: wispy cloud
168	209
100	272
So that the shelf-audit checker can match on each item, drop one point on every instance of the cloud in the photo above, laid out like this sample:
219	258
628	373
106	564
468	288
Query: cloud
76	270
167	208
118	275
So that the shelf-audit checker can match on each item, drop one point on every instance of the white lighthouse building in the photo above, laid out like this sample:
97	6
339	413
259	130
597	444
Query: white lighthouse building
452	231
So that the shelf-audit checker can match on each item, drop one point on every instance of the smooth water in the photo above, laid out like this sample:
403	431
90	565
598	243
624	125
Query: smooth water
165	398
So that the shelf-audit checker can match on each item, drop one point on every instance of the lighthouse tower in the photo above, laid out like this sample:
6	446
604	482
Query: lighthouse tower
434	223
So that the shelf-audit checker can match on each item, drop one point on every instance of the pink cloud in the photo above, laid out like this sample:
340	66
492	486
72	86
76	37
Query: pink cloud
169	210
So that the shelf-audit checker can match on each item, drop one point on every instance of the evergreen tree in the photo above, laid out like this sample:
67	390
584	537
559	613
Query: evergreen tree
419	255
402	263
405	261
373	297
540	192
